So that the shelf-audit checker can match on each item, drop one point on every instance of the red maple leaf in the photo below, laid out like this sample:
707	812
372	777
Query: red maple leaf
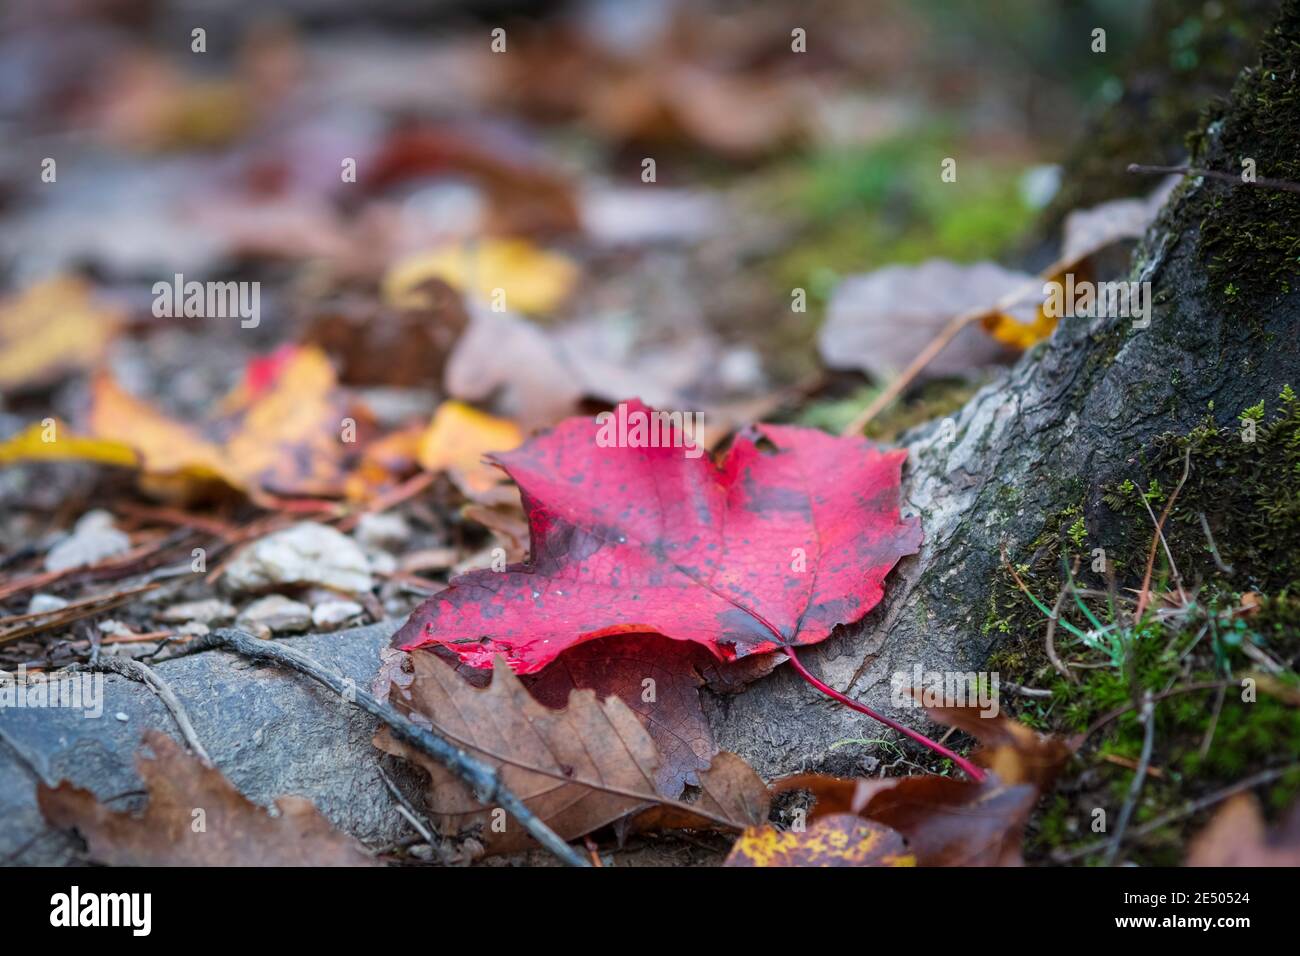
790	534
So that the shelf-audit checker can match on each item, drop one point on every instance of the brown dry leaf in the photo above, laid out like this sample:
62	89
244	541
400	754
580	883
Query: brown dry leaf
525	197
457	441
516	364
234	831
1237	836
50	329
507	523
578	769
1087	232
669	706
879	321
375	345
841	839
950	822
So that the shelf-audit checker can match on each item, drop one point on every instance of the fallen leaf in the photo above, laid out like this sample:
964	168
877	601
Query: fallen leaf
1237	836
792	534
879	321
525	197
457	441
950	822
376	345
56	441
842	839
50	329
279	433
509	273
509	360
235	831
658	679
578	768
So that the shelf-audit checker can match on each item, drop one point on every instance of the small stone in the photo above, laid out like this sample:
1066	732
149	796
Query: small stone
307	553
45	603
277	613
93	539
193	629
384	529
382	563
113	628
121	716
331	614
210	611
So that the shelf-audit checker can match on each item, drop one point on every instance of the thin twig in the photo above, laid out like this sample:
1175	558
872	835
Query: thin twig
482	778
1145	593
1050	640
139	671
1263	182
1214	721
1148	717
405	809
1214	549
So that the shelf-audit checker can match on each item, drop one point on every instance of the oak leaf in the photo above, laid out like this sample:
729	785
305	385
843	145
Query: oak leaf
231	830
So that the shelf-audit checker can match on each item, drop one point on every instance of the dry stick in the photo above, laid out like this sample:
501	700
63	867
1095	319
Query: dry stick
1159	537
405	809
1050	641
1214	549
28	624
1261	181
1186	810
1214	721
1139	778
482	778
139	671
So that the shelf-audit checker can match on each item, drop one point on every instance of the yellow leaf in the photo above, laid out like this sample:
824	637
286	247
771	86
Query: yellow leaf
55	441
457	439
530	279
49	329
841	839
165	447
286	431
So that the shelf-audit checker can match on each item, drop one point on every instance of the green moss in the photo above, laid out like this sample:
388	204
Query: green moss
1249	493
1249	239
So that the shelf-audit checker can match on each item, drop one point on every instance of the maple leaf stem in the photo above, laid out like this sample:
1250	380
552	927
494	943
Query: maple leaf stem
974	772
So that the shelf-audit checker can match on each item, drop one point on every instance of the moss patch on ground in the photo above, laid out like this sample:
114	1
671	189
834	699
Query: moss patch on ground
1221	655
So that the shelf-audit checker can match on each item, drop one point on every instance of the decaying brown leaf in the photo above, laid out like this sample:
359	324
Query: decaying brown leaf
839	839
949	822
657	678
578	768
196	817
1238	836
